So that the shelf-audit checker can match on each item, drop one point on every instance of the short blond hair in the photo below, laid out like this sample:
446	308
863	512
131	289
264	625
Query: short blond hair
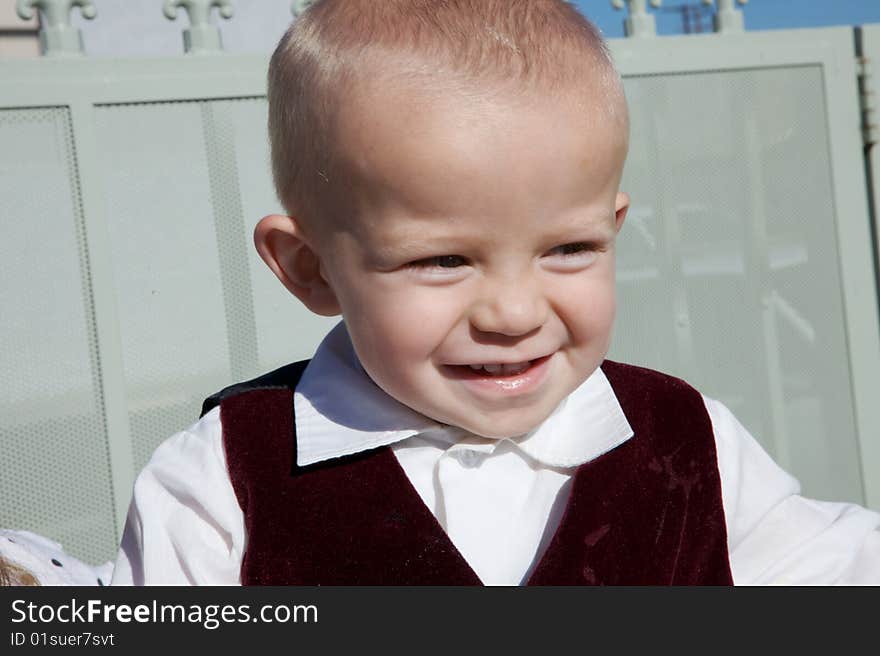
336	46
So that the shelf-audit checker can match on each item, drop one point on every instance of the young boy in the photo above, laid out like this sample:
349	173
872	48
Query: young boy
450	173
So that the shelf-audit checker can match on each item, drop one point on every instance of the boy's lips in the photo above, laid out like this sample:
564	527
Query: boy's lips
496	368
518	381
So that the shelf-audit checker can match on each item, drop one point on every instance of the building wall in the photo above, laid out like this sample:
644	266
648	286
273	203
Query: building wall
18	38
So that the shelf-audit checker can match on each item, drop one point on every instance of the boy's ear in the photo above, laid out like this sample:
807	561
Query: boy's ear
284	248
621	206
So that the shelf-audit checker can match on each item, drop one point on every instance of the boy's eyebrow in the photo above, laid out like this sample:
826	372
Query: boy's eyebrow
404	241
601	221
416	237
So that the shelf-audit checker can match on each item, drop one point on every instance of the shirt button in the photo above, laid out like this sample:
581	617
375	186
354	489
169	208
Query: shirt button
468	458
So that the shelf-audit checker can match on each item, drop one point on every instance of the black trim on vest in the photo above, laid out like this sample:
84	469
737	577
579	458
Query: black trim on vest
287	376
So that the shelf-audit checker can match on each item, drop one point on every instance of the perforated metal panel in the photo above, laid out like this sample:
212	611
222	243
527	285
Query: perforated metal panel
165	264
728	271
56	472
184	191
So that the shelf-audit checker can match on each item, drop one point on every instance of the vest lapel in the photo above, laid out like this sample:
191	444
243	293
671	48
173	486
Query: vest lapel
355	520
649	512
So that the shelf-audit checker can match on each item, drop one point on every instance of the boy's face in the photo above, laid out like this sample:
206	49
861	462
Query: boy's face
473	255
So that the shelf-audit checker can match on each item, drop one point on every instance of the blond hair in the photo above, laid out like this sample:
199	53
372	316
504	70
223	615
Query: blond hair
13	574
338	46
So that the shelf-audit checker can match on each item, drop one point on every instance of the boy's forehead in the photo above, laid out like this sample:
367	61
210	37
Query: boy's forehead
427	150
423	120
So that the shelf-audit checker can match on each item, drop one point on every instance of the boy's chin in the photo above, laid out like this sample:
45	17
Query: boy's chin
500	430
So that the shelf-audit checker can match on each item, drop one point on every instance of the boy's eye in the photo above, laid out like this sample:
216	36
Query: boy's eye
440	261
569	249
576	254
576	248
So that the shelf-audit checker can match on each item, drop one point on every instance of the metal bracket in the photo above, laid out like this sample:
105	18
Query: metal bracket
727	18
867	101
58	37
202	37
639	23
299	6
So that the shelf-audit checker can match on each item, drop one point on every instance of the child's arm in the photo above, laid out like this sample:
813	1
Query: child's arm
776	536
184	524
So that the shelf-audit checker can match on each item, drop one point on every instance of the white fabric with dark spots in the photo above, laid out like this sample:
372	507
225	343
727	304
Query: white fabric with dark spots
48	562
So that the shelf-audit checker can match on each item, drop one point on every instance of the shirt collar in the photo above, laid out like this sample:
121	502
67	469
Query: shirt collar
339	411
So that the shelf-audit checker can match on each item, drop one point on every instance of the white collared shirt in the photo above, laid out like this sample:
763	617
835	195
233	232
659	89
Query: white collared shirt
498	500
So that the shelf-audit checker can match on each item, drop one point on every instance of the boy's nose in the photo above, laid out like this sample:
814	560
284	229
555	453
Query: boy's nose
512	307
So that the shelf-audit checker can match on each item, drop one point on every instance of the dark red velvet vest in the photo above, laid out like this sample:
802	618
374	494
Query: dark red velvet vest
648	512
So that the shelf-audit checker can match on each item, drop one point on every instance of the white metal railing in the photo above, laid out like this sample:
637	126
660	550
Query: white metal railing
59	38
641	24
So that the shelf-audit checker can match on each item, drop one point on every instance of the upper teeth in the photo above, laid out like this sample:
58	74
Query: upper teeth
506	369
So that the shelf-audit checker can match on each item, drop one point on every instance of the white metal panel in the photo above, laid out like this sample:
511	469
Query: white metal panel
749	210
870	44
56	469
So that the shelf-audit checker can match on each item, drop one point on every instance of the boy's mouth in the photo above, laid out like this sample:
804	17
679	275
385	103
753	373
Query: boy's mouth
501	369
497	370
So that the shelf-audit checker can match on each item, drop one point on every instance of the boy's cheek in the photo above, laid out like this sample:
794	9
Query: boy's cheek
386	337
420	308
592	301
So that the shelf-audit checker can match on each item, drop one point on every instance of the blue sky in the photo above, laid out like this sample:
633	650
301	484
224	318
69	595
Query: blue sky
759	14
